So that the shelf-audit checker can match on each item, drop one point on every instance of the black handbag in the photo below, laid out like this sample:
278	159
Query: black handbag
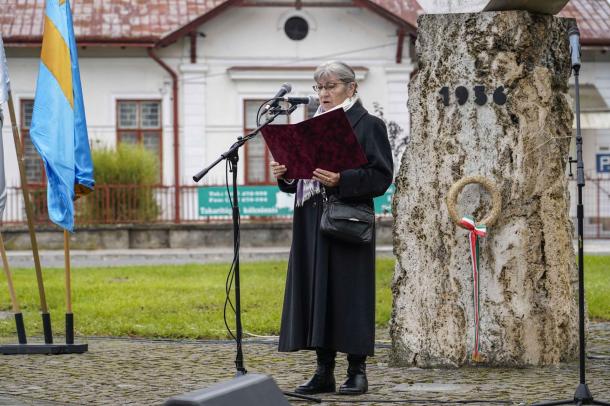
349	222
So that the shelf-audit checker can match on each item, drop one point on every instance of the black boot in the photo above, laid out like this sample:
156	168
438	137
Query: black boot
323	381
356	383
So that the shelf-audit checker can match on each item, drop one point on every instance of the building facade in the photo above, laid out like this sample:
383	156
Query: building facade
184	78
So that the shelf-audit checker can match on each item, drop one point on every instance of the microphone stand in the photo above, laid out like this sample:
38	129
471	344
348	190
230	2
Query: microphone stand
232	155
582	396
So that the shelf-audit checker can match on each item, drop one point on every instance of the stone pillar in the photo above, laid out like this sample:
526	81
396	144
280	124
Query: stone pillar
527	263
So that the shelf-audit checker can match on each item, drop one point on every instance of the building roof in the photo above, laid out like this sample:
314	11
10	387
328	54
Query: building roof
124	22
151	22
593	17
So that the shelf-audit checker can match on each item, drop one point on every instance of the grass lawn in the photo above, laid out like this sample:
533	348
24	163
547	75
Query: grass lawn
597	286
181	301
186	301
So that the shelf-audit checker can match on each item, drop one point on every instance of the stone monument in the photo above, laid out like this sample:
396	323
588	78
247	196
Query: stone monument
489	100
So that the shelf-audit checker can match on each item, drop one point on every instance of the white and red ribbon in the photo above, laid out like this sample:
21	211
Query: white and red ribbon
476	231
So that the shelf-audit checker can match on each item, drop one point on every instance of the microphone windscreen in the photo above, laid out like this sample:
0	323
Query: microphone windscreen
574	36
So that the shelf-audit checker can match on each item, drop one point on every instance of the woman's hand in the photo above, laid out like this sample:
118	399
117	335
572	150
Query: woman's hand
327	178
278	170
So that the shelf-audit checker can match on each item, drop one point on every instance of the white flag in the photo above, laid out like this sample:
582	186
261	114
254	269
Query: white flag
4	81
4	88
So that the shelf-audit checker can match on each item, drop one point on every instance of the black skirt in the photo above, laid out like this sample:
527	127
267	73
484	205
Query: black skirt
329	301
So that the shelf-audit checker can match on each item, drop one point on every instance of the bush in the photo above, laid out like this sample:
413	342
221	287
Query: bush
124	186
127	165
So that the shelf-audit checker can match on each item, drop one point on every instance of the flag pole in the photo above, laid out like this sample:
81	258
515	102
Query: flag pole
11	290
46	317
69	314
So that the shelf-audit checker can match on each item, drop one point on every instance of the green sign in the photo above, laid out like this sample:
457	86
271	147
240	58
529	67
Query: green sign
253	201
383	204
263	201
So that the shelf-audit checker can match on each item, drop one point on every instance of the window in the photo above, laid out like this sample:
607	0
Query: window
257	154
139	122
296	28
34	167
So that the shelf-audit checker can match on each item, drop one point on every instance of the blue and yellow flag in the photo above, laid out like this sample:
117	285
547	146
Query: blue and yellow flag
59	128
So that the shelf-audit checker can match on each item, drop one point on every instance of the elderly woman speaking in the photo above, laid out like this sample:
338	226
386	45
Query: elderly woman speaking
329	302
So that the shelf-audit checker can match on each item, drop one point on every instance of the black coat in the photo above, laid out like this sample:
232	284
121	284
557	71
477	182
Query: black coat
329	300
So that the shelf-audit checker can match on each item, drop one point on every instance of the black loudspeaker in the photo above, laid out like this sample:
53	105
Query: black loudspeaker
249	389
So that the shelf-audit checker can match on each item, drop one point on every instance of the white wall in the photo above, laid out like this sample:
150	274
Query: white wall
595	70
22	75
104	80
356	36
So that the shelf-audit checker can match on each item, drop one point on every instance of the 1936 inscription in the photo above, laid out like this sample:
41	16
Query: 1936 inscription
462	95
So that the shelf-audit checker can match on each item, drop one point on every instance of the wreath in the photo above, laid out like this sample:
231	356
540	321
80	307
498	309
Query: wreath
476	231
456	189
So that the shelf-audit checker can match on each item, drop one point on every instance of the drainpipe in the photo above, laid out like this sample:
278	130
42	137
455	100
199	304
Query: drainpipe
401	39
176	126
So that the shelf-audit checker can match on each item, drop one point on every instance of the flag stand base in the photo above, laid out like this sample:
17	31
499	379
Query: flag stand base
49	349
23	348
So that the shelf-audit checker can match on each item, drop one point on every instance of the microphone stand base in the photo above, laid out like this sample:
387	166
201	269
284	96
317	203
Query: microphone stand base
48	349
303	397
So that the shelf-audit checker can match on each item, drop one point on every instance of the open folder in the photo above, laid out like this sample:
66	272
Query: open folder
326	142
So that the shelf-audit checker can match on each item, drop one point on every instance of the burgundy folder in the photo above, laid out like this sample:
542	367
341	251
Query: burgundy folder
326	142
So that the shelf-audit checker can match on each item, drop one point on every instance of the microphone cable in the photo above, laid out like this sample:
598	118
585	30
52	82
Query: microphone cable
231	273
258	112
228	304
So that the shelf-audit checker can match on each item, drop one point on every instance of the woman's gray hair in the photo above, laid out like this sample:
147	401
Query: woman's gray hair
339	69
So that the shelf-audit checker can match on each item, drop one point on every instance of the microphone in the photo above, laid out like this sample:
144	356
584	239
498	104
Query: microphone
285	88
311	99
574	35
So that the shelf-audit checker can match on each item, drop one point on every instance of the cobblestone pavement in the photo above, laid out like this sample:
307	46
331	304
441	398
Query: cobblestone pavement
146	372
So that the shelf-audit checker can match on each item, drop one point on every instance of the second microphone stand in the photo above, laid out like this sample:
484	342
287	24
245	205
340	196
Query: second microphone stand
583	395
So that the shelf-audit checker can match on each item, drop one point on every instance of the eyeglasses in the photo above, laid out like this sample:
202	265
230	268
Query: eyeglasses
329	86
